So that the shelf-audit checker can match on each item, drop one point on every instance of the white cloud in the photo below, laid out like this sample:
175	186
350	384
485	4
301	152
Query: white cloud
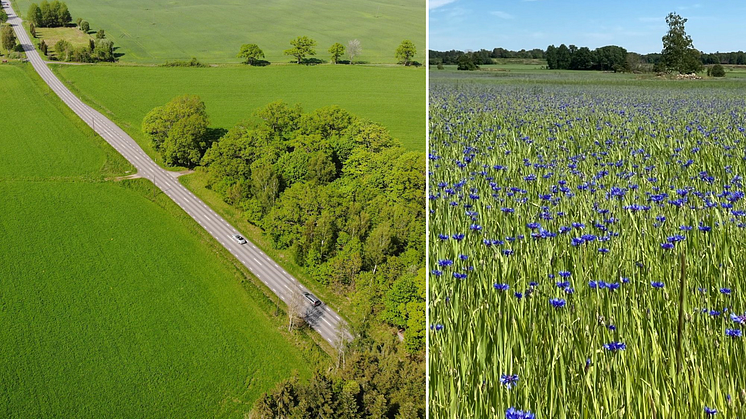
434	4
502	15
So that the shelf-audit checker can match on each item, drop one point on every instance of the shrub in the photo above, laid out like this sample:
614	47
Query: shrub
717	71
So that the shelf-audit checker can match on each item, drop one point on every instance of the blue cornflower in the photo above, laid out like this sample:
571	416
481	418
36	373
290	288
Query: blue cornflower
463	257
518	295
725	291
475	227
445	262
738	319
615	346
603	250
436	272
657	284
563	284
667	246
458	237
710	411
501	287
443	236
625	280
565	274
436	327
557	302
509	380
513	413
459	275
507	252
734	333
532	284
569	290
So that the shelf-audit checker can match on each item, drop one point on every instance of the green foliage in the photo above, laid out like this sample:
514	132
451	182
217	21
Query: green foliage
32	29
302	47
101	34
353	49
405	52
63	50
717	71
375	381
3	16
7	38
607	58
678	52
84	26
49	15
336	50
103	50
179	130
252	53
194	62
466	62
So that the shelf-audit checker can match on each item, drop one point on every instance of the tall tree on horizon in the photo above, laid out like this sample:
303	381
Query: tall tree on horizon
678	52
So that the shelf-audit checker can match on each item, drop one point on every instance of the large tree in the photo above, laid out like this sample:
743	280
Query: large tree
179	130
252	53
405	52
353	49
678	52
302	46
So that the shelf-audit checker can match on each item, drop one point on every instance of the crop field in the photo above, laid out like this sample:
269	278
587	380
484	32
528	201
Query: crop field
393	97
111	300
154	31
587	249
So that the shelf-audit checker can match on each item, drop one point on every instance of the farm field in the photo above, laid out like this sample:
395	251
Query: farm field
391	96
157	31
579	225
111	298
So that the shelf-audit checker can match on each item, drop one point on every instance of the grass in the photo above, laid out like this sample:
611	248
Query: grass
149	31
112	298
51	36
391	96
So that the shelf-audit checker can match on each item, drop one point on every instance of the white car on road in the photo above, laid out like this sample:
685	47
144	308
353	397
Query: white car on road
239	239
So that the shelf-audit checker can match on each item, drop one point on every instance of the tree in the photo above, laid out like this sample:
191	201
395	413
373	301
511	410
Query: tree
717	71
678	52
43	47
63	15
582	59
100	34
465	62
34	15
32	29
405	52
251	52
63	50
8	38
353	49
3	16
302	46
103	50
337	50
85	26
179	130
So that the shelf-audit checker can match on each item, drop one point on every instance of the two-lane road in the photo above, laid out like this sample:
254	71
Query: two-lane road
325	321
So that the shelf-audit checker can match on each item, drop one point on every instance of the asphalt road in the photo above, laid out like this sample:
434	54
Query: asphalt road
324	320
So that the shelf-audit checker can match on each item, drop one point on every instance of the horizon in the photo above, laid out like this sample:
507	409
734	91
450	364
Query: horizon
637	26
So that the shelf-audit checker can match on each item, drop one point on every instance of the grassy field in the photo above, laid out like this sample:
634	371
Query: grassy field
154	31
586	238
51	36
113	302
391	96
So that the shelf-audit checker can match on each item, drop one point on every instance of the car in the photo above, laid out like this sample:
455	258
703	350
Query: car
239	239
312	298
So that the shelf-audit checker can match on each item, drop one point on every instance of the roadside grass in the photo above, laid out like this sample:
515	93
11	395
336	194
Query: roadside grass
155	31
111	298
391	96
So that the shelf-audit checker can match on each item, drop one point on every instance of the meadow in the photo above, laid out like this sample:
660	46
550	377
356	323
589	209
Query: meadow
586	247
112	300
148	31
391	96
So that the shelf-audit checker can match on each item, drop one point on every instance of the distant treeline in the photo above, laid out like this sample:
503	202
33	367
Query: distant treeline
571	57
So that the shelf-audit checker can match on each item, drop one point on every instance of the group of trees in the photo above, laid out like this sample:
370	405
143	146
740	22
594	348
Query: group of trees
304	47
375	382
606	58
49	15
100	50
7	38
179	131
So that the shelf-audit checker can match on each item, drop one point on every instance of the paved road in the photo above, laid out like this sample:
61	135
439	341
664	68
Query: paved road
322	319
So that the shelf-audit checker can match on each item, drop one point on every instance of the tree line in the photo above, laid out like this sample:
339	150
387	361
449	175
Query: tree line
304	47
606	58
483	56
49	15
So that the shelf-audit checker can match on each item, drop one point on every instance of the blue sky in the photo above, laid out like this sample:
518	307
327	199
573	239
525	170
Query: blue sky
635	25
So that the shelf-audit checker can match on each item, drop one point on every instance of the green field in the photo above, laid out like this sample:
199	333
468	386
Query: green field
391	96
112	301
153	31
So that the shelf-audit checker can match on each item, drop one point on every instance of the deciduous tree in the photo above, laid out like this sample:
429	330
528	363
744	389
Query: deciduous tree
8	38
302	47
353	49
337	50
405	52
251	52
678	52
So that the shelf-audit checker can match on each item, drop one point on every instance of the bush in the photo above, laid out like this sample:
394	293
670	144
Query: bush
717	71
85	26
192	63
